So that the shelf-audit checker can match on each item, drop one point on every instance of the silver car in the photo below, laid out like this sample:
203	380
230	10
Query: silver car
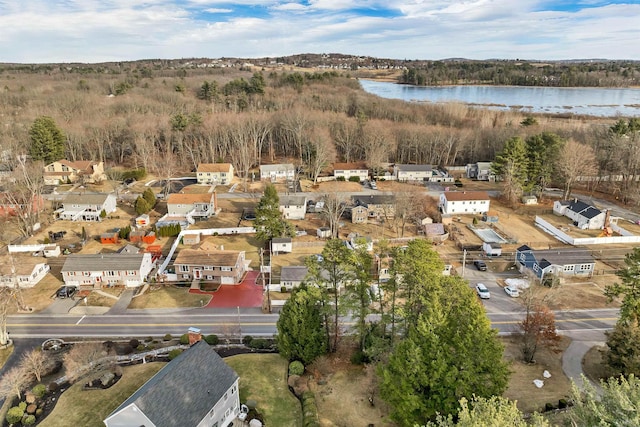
482	291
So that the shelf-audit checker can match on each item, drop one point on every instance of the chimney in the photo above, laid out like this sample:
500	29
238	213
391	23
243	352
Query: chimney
194	335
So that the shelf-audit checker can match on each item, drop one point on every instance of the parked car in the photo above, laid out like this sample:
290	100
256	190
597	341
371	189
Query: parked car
482	291
66	292
480	265
512	291
373	185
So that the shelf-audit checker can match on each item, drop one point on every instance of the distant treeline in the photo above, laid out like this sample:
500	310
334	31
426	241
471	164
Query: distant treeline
513	73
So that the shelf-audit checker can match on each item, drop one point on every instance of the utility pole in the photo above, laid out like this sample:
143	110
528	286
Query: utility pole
464	261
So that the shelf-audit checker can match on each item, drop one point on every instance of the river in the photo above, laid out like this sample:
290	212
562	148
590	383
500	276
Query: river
601	102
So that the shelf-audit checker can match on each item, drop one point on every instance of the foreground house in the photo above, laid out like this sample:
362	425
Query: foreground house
196	389
278	172
368	207
464	202
191	206
67	172
97	270
583	215
216	266
348	170
24	271
291	276
557	262
86	206
293	207
215	173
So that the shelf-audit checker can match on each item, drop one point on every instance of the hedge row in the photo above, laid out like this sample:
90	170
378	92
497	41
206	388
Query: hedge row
309	410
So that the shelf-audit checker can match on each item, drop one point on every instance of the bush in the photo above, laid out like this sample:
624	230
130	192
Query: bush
359	358
562	403
246	340
354	179
31	409
283	289
340	178
167	337
296	368
46	241
39	412
140	347
259	343
29	420
309	410
39	390
53	387
174	353
458	183
127	349
184	339
549	407
211	339
148	339
14	415
22	405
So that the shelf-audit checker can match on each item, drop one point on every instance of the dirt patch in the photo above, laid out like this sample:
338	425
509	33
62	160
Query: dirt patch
529	398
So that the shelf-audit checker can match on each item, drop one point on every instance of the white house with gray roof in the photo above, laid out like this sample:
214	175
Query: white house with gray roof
291	276
279	172
97	270
195	389
86	206
424	173
584	215
293	207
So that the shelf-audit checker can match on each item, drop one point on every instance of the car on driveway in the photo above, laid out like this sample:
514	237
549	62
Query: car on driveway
482	291
480	265
513	292
66	292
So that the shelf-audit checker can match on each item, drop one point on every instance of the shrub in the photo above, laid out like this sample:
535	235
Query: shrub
46	241
103	214
340	178
167	337
140	347
359	358
549	407
174	353
22	405
475	221
31	409
562	403
184	339
259	343
53	386
309	410
211	339
148	339
283	289
108	345
127	349
39	412
29	420
14	415
39	390
246	340
296	368
354	179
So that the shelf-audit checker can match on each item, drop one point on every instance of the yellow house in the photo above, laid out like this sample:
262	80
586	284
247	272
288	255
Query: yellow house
64	171
215	173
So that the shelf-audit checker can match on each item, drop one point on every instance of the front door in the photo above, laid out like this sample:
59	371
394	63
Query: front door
197	274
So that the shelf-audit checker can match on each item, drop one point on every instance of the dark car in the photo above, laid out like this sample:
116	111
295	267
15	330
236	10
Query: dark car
480	265
66	292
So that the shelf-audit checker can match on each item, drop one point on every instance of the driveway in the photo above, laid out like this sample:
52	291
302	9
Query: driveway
246	294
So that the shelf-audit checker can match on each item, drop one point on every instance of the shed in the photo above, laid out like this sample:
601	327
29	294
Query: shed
323	232
142	220
529	200
110	237
492	249
135	236
149	238
191	239
281	245
51	251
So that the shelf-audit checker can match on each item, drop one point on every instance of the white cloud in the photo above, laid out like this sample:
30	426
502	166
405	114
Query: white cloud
218	10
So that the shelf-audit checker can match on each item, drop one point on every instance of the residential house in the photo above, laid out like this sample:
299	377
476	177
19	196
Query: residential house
293	207
374	206
278	172
435	232
583	215
195	389
215	173
215	266
19	204
423	173
480	171
281	245
464	202
24	271
348	170
115	269
191	206
568	262
86	206
65	171
291	276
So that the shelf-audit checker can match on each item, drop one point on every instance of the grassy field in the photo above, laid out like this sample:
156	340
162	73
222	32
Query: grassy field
168	297
263	378
40	296
4	355
88	408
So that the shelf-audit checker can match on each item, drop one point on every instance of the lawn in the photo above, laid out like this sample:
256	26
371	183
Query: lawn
4	355
88	408
263	378
41	295
169	297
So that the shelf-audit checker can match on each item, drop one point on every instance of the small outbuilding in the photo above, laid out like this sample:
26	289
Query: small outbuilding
142	221
109	238
492	249
281	245
323	232
191	239
529	200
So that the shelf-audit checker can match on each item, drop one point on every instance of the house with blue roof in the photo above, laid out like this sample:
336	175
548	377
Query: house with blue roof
583	215
563	262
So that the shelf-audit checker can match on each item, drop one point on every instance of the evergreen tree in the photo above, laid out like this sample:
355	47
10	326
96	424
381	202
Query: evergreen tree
616	404
47	140
358	293
208	91
142	206
495	411
269	223
150	197
511	165
542	151
300	327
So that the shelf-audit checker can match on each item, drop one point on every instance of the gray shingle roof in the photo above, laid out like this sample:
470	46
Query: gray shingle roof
281	240
293	273
415	168
584	209
570	256
86	199
293	200
103	262
184	391
380	199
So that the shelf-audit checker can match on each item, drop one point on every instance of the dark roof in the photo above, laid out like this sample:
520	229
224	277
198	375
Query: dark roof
570	256
184	391
293	273
281	240
379	199
584	209
523	248
415	168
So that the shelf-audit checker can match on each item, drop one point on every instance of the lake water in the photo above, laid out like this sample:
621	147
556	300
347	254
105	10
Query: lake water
603	102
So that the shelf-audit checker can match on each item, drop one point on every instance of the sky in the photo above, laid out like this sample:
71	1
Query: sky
41	31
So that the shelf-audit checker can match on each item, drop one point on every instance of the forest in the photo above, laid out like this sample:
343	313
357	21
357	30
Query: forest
167	119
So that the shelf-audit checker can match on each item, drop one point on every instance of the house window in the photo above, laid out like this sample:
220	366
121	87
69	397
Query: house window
209	277
185	276
184	268
568	268
233	390
584	267
226	396
226	268
110	273
208	267
535	267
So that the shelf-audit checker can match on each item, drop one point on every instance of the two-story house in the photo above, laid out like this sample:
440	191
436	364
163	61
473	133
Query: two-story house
562	262
584	215
196	389
23	271
291	276
375	206
215	266
480	171
278	172
421	173
293	207
86	206
65	171
215	173
114	269
349	170
200	205
464	202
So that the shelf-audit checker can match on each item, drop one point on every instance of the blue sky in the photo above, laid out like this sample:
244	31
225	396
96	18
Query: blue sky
111	30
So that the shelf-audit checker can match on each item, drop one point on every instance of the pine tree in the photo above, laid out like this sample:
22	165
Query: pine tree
47	140
269	223
511	165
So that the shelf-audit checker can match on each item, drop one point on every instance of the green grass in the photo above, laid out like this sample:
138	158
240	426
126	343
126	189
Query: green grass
263	378
88	408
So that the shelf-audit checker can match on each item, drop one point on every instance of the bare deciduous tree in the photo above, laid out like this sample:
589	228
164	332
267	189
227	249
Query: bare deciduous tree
36	363
334	207
14	382
85	356
575	160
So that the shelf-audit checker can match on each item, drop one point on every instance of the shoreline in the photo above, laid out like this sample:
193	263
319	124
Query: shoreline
390	80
